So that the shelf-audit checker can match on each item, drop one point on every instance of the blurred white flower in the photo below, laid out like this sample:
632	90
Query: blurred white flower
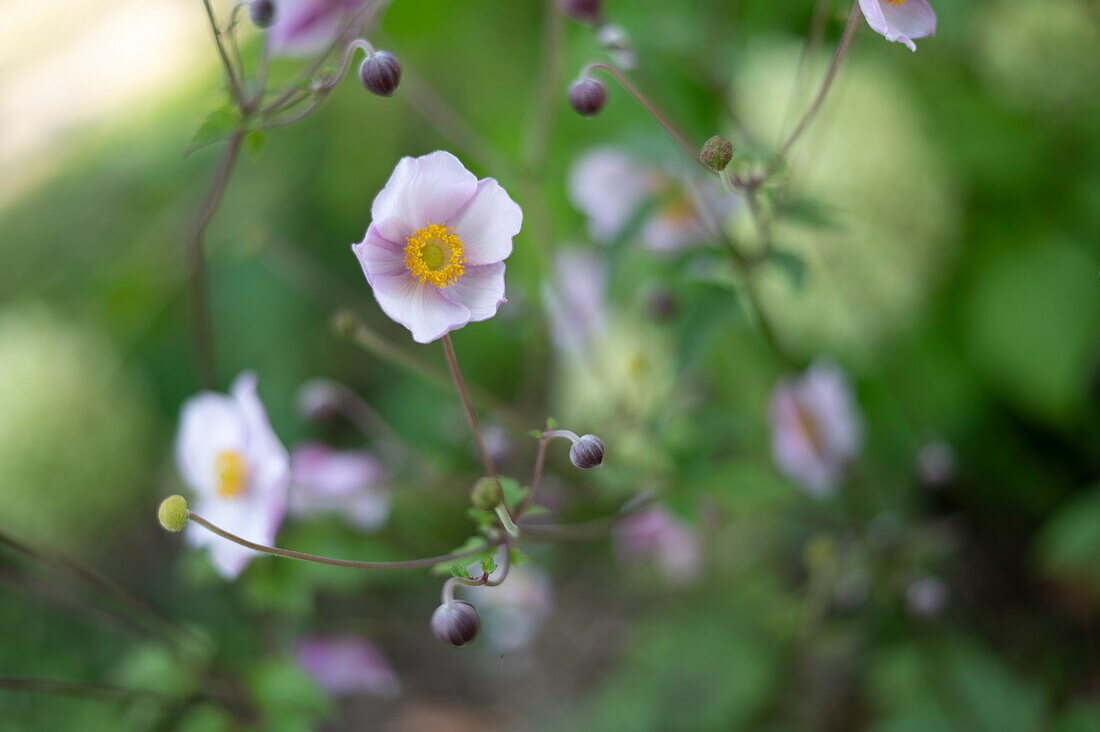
345	665
655	536
816	428
347	482
936	464
513	613
230	457
575	304
610	188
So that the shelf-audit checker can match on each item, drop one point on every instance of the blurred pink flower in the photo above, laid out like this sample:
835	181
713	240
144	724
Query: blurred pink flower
306	27
610	188
816	428
347	482
435	249
228	454
576	306
513	613
656	536
345	665
900	20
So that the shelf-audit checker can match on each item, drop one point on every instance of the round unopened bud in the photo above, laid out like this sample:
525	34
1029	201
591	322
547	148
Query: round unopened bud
587	96
262	13
456	622
172	513
716	154
582	11
486	494
380	73
587	452
345	323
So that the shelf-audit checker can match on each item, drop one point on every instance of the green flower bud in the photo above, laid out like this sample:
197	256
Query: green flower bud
486	494
172	513
716	154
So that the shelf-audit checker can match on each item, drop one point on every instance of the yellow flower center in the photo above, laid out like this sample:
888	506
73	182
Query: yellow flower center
434	254
895	3
231	473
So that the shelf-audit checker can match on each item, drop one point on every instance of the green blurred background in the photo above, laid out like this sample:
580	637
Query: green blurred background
948	223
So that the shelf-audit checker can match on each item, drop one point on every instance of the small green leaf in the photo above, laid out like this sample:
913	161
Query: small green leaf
256	140
537	434
219	125
551	423
488	565
459	571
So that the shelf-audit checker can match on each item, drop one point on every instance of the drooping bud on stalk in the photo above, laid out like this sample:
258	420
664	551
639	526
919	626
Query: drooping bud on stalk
582	11
262	13
456	622
716	153
587	452
172	513
486	494
380	73
345	323
587	96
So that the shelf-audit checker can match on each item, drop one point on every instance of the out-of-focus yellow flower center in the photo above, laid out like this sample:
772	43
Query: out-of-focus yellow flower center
231	473
895	3
434	254
810	428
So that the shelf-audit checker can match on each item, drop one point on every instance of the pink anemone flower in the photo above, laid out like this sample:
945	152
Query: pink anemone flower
435	249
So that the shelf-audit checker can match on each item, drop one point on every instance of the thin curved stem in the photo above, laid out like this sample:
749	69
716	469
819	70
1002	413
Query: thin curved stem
540	458
587	530
287	553
231	75
461	386
827	82
662	120
202	323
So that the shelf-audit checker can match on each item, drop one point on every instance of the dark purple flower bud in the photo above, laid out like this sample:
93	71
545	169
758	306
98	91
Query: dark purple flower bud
262	13
582	11
587	452
380	73
587	96
455	622
717	153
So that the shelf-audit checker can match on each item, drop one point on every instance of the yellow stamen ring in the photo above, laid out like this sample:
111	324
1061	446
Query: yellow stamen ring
231	473
434	254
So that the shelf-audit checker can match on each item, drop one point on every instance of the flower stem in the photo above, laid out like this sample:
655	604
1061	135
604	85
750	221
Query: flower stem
231	75
275	551
448	347
662	120
827	82
540	458
202	325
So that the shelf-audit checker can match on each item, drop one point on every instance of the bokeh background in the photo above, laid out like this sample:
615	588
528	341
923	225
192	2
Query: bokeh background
943	231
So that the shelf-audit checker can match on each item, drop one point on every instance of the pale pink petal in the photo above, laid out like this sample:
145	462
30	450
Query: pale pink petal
433	188
377	256
421	308
346	665
486	226
901	23
481	289
306	27
267	459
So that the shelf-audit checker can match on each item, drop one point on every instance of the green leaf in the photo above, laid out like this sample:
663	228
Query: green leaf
459	570
790	264
220	124
256	140
488	565
514	493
